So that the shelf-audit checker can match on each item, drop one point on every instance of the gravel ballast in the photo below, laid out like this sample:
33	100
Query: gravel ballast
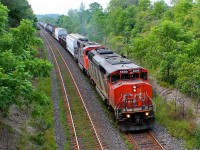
105	123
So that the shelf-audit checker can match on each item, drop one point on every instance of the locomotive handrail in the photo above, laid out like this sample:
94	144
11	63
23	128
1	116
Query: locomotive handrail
142	99
116	106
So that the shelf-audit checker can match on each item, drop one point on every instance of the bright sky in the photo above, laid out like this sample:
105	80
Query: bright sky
62	6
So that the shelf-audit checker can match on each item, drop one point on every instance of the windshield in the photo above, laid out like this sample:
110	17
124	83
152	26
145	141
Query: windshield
115	78
127	77
143	75
134	76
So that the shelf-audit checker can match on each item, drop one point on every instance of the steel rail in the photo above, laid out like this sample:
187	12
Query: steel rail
64	90
85	107
156	141
147	136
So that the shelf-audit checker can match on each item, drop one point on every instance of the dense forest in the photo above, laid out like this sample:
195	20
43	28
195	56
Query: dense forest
18	62
165	39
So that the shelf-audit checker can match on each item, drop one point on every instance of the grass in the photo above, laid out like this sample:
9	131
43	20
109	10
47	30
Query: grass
177	126
44	84
81	120
63	119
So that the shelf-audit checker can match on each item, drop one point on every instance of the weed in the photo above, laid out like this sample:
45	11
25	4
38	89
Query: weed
182	128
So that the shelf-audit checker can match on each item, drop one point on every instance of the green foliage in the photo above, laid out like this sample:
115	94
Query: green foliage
123	4
3	18
38	138
18	10
66	22
43	67
181	9
25	40
42	113
18	69
197	135
158	9
181	128
16	76
48	19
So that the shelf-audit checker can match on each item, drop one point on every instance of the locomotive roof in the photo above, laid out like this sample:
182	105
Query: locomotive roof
60	29
112	62
91	45
78	37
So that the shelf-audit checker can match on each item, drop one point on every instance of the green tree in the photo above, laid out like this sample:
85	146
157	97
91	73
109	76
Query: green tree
24	40
18	10
16	76
97	21
123	4
192	18
48	19
181	9
3	18
158	9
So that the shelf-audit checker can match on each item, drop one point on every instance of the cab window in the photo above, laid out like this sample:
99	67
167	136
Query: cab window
134	76
143	75
115	78
125	77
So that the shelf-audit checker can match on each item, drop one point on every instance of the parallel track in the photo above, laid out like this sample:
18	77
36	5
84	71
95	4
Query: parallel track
76	140
144	141
141	141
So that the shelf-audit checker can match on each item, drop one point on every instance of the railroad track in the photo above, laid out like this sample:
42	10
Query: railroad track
144	141
80	122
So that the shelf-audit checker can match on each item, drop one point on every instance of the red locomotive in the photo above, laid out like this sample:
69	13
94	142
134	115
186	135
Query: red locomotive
121	84
124	87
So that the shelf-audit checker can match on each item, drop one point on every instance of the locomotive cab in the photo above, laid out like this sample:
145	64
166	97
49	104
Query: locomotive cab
132	99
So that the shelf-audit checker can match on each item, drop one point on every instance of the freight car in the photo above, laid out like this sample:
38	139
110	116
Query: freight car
73	42
59	32
122	85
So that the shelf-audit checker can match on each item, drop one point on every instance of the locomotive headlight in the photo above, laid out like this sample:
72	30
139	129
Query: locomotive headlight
128	115
147	113
134	88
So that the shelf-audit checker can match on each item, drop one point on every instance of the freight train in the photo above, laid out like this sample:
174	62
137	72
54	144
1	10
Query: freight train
122	85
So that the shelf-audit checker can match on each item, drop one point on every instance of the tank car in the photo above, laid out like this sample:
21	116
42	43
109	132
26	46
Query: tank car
124	87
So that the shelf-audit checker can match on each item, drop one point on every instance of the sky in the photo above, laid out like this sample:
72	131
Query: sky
62	6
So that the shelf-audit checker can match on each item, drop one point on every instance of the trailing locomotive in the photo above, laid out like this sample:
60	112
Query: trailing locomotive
121	84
